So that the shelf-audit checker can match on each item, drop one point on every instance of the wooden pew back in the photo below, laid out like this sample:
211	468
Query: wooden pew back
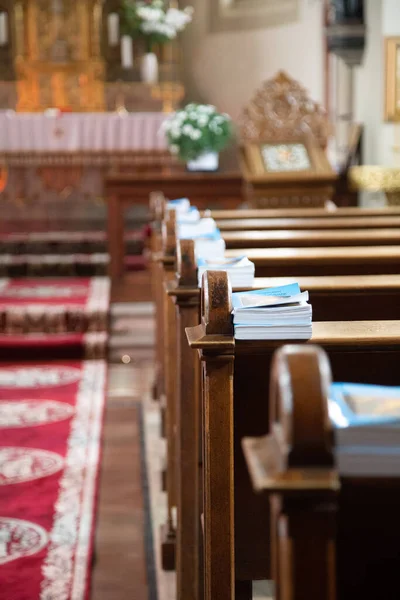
235	395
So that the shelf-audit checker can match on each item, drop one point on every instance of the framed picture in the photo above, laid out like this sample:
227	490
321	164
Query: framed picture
392	68
294	159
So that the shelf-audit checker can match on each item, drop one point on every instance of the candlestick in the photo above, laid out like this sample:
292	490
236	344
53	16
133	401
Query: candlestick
126	52
113	29
3	29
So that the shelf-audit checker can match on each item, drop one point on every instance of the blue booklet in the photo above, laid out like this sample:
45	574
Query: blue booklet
210	236
179	202
366	421
357	405
267	297
220	262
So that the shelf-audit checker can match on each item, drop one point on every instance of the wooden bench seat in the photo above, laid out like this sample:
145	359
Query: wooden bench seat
331	536
235	404
330	222
310	213
293	262
320	238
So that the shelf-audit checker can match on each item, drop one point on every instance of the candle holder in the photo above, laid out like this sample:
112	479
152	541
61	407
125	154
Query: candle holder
170	93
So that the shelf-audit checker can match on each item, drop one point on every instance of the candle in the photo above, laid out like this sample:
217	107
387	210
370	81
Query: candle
3	29
113	29
126	52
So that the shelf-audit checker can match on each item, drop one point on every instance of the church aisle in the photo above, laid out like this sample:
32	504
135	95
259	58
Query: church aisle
123	552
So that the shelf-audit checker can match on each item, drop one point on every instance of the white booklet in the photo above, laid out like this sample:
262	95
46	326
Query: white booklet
240	270
181	205
198	229
366	420
272	313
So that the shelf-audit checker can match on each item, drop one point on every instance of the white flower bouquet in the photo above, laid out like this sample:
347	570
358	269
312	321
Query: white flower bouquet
153	22
196	130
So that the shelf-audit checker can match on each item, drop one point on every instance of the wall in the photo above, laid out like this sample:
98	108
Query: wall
226	68
383	19
390	27
369	85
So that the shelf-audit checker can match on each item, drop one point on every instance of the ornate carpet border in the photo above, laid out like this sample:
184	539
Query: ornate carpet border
66	568
36	316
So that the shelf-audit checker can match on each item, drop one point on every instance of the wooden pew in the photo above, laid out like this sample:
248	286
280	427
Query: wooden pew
297	213
165	264
333	537
311	238
340	260
327	222
271	219
294	466
342	298
235	405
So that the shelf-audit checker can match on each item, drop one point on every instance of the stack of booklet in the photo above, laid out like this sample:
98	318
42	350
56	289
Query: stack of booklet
207	238
185	213
240	270
366	421
281	313
181	205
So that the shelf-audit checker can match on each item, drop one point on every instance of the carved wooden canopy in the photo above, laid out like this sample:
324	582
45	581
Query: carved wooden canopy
282	110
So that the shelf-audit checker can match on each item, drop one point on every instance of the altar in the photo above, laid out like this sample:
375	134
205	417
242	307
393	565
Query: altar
54	164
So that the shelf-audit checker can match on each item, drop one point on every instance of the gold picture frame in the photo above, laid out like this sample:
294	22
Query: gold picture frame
296	159
392	87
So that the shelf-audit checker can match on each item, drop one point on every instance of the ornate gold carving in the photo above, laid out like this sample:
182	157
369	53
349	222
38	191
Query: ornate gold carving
375	179
171	95
281	110
60	64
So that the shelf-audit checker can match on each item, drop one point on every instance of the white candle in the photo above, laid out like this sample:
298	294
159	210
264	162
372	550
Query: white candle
126	52
3	29
113	29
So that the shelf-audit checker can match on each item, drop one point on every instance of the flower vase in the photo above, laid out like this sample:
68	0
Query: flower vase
149	68
208	161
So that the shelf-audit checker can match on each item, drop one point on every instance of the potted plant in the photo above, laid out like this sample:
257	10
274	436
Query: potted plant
152	22
196	134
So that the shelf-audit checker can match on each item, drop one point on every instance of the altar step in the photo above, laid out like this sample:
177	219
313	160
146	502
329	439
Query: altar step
63	265
132	332
67	242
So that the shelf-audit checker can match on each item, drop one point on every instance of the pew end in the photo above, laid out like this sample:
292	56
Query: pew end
268	474
297	457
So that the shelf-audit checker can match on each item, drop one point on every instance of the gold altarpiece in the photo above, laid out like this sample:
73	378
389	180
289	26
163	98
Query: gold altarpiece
57	54
58	59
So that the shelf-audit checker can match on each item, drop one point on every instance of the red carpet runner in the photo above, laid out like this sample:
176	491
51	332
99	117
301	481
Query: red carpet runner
51	419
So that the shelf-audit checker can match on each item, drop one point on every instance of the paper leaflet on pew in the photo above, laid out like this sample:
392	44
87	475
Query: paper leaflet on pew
185	213
281	313
208	241
205	233
366	420
240	270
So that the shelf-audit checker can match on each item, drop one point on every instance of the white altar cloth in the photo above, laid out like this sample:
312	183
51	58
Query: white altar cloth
80	132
